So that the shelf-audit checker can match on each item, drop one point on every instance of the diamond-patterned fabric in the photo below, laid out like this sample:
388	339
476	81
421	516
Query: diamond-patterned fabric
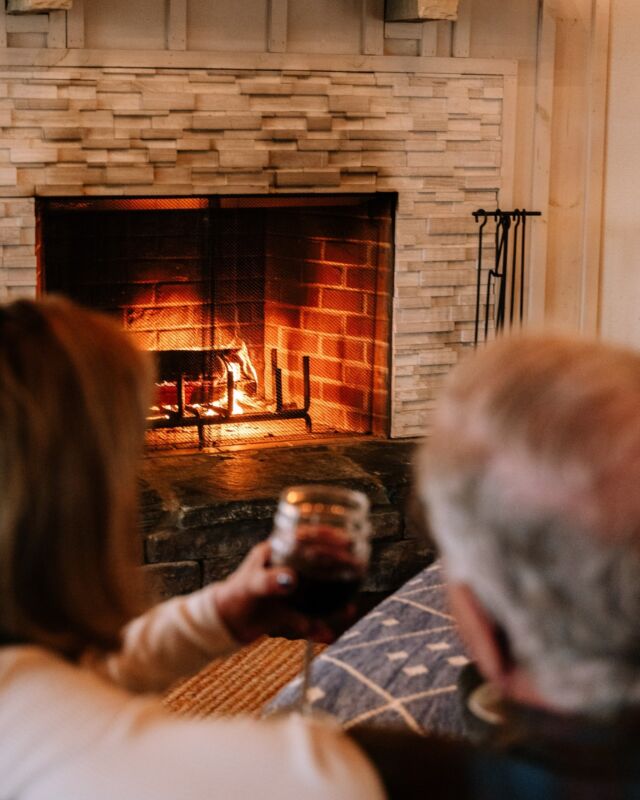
398	666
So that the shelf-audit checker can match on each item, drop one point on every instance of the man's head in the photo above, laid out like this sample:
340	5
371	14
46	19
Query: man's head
532	481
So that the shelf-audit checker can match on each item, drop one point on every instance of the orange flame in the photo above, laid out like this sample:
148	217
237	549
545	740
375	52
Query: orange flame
237	360
247	364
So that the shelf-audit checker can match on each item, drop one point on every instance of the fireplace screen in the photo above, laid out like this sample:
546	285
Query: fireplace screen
268	316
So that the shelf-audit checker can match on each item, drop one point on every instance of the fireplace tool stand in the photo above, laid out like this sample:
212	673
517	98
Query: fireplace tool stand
179	366
506	277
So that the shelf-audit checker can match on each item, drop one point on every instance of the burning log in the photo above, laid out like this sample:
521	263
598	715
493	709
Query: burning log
205	387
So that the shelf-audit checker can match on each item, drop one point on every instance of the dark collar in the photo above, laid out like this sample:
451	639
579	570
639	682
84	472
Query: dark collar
564	742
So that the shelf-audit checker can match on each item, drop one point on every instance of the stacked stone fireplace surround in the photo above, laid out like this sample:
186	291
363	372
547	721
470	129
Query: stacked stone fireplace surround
436	139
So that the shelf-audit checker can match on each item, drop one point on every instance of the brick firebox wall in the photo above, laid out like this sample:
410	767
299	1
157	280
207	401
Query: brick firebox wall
328	296
309	276
238	283
145	268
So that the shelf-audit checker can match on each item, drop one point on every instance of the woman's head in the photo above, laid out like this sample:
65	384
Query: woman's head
73	396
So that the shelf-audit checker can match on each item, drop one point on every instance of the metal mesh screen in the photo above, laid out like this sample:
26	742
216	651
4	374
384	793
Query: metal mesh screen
269	316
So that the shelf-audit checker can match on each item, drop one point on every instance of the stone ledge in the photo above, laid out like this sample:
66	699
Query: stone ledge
201	513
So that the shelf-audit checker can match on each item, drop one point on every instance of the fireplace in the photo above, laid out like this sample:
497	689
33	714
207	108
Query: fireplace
268	316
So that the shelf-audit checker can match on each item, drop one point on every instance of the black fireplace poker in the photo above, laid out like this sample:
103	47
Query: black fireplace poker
507	274
176	366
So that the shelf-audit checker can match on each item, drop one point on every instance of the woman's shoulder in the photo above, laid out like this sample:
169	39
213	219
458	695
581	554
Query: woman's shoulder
36	675
41	693
68	732
51	710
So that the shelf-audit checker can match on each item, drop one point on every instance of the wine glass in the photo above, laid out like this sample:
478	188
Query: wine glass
322	532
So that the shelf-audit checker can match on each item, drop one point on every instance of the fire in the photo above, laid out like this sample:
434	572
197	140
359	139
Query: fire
241	370
247	364
231	387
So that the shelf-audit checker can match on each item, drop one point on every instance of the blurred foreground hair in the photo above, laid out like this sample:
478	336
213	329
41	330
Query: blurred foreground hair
74	393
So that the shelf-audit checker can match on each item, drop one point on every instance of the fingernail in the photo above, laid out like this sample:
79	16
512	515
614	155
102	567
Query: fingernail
284	579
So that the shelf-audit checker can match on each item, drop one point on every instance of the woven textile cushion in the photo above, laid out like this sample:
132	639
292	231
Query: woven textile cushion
398	666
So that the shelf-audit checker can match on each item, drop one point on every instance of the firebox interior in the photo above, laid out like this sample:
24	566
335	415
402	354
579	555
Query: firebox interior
270	316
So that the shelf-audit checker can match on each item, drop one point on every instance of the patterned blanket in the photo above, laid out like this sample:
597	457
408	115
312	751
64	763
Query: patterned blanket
398	666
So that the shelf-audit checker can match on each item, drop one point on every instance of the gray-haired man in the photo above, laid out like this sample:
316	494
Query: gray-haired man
531	478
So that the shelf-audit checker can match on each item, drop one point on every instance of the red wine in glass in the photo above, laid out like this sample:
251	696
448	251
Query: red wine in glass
322	533
330	564
322	595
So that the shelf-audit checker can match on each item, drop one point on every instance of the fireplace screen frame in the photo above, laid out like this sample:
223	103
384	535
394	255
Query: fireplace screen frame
183	415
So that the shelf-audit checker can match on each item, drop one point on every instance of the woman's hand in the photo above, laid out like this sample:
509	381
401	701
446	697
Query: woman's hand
252	601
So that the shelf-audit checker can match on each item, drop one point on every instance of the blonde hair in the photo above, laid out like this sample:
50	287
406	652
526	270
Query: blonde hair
532	479
74	392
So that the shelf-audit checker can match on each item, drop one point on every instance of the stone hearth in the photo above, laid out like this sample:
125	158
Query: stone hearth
201	513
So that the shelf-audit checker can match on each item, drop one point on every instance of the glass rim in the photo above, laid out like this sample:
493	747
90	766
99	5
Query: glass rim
330	495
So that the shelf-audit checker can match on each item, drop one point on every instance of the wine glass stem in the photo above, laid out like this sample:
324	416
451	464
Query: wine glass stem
306	676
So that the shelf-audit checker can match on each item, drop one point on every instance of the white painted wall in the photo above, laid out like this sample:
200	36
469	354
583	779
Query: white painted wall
620	278
121	23
510	31
227	25
324	26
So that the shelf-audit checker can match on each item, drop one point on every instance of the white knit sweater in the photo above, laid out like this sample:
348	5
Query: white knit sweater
87	733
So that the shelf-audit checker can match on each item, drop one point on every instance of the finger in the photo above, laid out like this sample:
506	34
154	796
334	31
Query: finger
259	555
273	582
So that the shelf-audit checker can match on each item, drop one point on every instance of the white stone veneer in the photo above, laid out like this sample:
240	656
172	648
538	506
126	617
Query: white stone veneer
435	139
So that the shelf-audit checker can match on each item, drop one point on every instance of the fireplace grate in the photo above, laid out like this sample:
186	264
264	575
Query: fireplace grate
206	385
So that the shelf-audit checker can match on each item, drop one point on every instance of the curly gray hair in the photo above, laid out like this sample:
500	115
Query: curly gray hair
532	482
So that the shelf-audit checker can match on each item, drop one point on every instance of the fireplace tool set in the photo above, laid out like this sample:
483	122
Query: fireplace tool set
507	275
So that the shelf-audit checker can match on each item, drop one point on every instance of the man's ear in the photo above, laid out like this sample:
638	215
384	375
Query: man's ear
487	642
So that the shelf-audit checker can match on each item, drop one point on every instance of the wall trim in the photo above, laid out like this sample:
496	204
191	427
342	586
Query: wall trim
595	170
509	119
172	59
541	165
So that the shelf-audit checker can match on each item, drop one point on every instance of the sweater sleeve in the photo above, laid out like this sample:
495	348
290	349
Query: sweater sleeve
172	640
